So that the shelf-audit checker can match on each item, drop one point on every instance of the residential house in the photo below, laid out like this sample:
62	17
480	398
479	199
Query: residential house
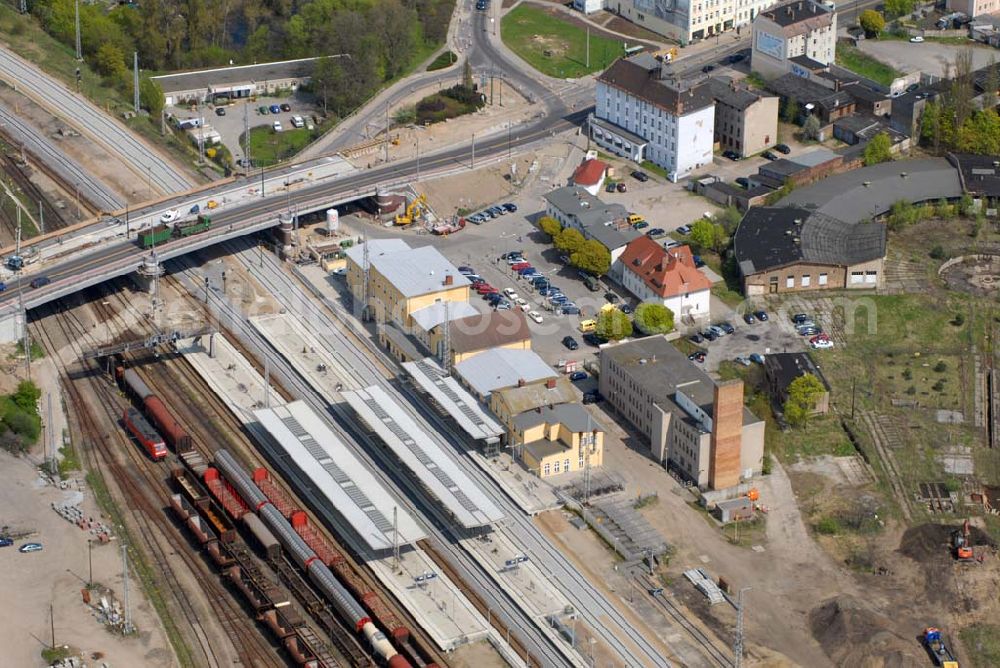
576	208
688	20
590	175
786	31
668	277
746	122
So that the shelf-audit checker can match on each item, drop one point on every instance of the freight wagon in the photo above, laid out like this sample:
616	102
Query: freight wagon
148	438
184	228
173	431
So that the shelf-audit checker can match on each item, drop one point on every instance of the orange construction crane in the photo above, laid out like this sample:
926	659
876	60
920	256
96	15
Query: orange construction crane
960	543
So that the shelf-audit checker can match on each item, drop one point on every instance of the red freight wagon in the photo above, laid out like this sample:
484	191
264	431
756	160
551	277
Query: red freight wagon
143	432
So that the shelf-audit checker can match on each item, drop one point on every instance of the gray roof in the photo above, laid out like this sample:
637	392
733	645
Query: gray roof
592	213
780	169
431	316
413	271
574	417
856	123
631	137
463	408
807	62
772	237
846	196
980	173
732	95
502	367
815	157
610	237
239	74
532	395
797	12
805	91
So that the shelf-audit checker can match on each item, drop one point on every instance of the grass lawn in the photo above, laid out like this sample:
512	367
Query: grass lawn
863	64
446	59
269	147
553	46
982	642
653	168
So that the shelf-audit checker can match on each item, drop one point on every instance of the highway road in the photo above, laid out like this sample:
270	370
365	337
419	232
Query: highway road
91	121
98	194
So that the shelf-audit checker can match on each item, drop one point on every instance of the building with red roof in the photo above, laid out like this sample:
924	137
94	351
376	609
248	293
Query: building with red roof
666	276
590	175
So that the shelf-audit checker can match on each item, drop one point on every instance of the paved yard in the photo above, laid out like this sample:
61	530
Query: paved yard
929	57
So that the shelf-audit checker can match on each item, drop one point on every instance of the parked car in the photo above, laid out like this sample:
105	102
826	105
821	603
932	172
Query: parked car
220	111
535	315
30	547
697	357
732	155
612	297
696	338
656	233
286	107
592	339
522	303
769	155
621	187
800	318
466	271
626	309
6	542
262	110
642	224
297	122
510	254
569	308
709	335
809	330
274	109
169	216
527	270
518	266
757	358
578	375
640	176
715	329
916	39
736	58
559	299
592	397
749	319
782	148
698	262
41	282
726	327
510	207
610	187
277	127
820	344
684	230
503	306
761	315
510	292
743	182
570	343
707	68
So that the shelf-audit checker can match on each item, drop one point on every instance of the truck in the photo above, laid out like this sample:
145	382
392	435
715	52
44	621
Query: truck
590	281
936	647
160	234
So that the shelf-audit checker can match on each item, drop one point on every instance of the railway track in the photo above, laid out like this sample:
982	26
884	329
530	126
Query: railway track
710	650
143	485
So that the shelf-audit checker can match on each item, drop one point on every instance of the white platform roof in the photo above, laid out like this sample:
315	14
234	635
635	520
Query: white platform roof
431	316
455	399
336	472
438	472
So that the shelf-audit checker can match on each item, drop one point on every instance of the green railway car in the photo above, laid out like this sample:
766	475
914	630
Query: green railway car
187	228
155	236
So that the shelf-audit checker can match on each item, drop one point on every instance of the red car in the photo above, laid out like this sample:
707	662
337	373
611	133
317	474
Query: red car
482	288
489	290
520	265
819	337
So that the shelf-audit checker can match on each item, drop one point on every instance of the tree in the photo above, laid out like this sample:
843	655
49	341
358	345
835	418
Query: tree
730	219
550	226
708	235
991	85
872	22
467	74
327	77
802	395
811	127
653	318
879	149
569	240
151	97
110	61
897	8
790	110
26	396
613	325
592	257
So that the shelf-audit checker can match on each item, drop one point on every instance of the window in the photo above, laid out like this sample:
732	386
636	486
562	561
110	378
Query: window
822	279
790	282
804	281
871	277
557	466
857	277
545	470
566	465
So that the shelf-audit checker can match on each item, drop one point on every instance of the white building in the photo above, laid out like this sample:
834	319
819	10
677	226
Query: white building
642	115
588	6
575	207
668	277
688	20
797	35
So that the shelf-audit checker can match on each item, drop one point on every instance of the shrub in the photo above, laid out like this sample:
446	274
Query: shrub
828	526
941	367
938	253
938	386
958	320
911	390
907	374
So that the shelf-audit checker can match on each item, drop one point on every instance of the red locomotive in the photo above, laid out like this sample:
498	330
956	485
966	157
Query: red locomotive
143	432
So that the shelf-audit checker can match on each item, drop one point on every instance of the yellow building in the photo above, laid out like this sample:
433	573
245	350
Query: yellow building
558	439
402	280
523	395
473	334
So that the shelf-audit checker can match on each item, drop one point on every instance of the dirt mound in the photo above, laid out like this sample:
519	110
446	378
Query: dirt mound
931	542
854	635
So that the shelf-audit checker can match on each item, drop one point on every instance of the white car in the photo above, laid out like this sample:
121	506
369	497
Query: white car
510	292
522	302
277	126
169	216
822	344
917	39
535	315
342	271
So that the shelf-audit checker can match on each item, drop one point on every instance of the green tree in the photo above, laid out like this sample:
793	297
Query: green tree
653	318
802	395
872	22
708	235
811	127
613	325
730	219
896	8
151	97
569	240
879	149
110	61
26	396
550	226
592	257
790	110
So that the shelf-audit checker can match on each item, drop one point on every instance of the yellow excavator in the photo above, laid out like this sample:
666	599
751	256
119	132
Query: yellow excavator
414	209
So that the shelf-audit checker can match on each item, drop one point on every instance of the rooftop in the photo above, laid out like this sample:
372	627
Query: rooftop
431	316
816	157
857	123
460	405
338	475
643	77
532	395
502	367
573	416
489	330
806	92
807	62
731	94
771	237
588	209
589	173
413	271
631	137
425	456
860	194
786	367
666	273
800	16
227	76
980	174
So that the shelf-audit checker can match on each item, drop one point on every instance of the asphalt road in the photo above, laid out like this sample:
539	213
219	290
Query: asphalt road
92	122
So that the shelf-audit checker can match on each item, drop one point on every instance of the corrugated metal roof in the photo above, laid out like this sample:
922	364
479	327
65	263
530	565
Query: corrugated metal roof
501	367
351	488
413	271
431	316
461	406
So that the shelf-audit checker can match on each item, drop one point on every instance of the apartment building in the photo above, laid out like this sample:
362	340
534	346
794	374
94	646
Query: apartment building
800	33
746	122
642	114
695	425
688	20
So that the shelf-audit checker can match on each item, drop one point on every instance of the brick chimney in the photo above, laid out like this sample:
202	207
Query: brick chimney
449	279
727	435
550	383
520	382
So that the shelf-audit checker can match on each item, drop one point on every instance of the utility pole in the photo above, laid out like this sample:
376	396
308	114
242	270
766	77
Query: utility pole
395	539
267	380
52	625
135	81
473	163
51	434
246	137
79	48
418	157
128	611
738	644
508	139
500	89
387	131
41	218
90	559
588	47
201	138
